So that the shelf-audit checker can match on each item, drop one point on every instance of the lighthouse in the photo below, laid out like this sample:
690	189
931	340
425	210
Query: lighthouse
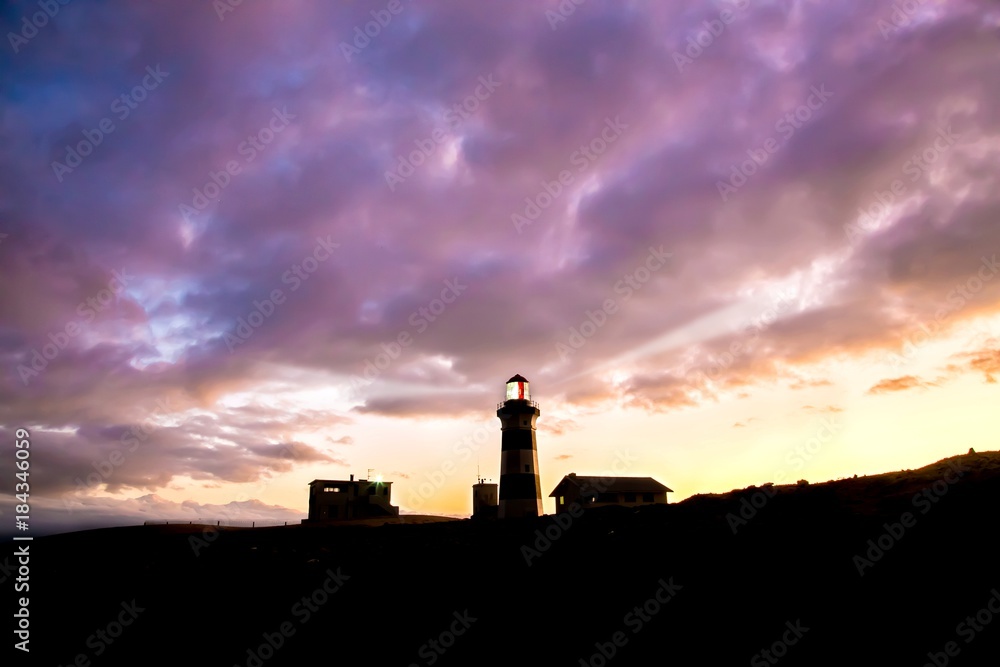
520	489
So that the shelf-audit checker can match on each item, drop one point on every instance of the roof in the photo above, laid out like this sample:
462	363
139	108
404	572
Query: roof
613	484
517	378
348	481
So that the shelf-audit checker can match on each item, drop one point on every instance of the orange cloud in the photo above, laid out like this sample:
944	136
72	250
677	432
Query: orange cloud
985	361
899	384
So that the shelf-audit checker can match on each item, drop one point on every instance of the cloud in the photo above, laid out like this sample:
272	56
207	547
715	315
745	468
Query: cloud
899	384
809	384
147	454
81	512
985	360
558	425
431	295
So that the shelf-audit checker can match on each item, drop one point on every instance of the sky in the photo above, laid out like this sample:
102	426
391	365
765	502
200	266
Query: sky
245	246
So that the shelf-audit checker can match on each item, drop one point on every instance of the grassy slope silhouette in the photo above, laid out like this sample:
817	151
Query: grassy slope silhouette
790	563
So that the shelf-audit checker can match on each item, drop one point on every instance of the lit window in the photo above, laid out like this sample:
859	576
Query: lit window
562	500
331	489
518	391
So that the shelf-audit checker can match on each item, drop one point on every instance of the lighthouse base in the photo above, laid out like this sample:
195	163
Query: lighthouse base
516	509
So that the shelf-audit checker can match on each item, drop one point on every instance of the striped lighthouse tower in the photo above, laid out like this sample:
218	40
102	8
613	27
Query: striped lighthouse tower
520	489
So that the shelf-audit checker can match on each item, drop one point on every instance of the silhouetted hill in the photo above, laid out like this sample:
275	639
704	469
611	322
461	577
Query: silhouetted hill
741	572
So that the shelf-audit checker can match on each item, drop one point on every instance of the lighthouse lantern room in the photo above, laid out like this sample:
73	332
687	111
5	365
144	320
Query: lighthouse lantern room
517	388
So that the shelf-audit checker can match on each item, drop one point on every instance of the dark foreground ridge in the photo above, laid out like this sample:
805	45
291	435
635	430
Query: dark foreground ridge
895	569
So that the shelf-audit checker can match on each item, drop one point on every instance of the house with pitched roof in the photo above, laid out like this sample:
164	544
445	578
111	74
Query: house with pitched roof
591	492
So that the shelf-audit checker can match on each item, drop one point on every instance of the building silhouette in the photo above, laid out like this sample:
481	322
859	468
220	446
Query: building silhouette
590	492
344	499
520	489
484	500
